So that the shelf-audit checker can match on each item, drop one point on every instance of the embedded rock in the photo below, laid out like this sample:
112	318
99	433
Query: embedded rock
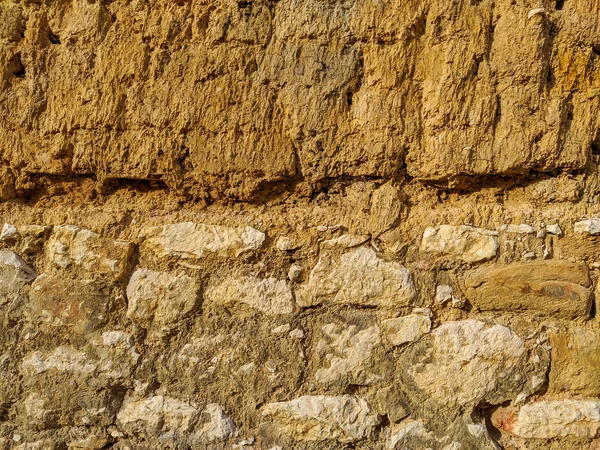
468	243
348	352
169	417
81	305
189	240
405	329
322	418
588	226
112	356
161	298
15	274
550	288
358	277
575	362
346	241
83	254
269	296
466	362
551	419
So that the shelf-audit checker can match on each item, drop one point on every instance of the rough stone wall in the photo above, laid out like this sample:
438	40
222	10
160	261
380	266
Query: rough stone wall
263	225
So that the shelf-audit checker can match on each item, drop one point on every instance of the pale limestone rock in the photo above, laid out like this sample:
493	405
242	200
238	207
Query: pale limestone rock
164	416
405	329
295	273
9	233
348	351
555	229
536	12
162	298
281	329
443	293
321	418
469	243
550	419
112	356
80	305
188	240
402	433
15	274
63	359
358	277
297	333
588	226
346	241
286	243
517	229
37	412
218	427
159	414
85	254
554	288
270	296
467	361
117	338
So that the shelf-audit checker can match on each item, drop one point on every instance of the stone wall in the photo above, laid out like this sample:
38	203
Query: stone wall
299	225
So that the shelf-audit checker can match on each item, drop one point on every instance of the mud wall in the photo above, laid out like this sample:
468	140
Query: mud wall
299	224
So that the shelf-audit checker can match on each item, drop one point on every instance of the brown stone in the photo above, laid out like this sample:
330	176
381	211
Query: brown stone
81	305
551	288
576	362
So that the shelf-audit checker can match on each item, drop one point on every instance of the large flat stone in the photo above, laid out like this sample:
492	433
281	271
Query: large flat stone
110	356
161	298
270	296
357	277
172	418
82	253
465	242
553	288
550	419
79	305
321	418
188	240
466	362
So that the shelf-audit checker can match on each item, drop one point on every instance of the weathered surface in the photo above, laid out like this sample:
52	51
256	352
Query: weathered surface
319	418
465	242
304	97
385	210
557	288
15	274
358	277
